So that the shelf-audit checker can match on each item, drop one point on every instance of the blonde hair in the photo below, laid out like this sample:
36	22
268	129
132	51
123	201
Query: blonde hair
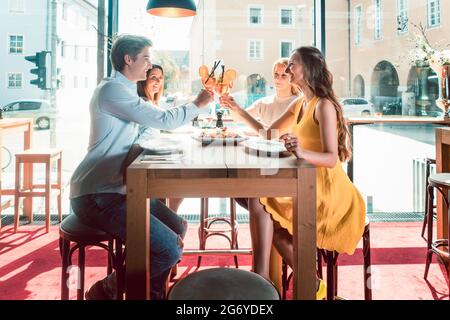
285	62
143	87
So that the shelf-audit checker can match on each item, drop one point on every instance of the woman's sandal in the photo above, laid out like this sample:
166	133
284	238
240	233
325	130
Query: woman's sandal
321	293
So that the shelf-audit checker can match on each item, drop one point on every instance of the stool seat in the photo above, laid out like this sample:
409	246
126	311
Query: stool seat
73	230
440	178
52	152
223	284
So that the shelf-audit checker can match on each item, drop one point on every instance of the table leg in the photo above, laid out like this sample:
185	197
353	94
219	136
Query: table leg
304	228
138	237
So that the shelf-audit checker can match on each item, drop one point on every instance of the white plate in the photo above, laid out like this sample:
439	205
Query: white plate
266	147
162	146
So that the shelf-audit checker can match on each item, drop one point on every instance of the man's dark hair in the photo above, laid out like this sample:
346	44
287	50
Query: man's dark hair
127	45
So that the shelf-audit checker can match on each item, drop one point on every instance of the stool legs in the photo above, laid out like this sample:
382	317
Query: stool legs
59	184
81	266
47	195
331	274
120	269
430	192
202	227
65	251
367	264
16	198
234	230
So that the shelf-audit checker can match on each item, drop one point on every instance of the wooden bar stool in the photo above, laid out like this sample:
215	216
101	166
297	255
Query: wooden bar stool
440	247
47	157
206	230
72	230
331	259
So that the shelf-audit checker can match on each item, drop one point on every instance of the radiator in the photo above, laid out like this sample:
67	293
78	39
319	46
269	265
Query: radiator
419	180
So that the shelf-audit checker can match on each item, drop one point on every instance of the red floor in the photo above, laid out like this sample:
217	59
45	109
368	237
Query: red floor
30	264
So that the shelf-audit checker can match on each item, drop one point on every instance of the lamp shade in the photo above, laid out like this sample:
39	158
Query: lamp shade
171	8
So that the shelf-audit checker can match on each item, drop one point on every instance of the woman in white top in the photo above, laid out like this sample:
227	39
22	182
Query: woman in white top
270	108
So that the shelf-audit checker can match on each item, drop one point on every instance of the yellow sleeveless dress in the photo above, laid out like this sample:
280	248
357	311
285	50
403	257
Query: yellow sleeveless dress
340	206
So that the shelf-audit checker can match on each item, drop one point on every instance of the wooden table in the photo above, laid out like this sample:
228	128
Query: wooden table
10	126
442	165
220	171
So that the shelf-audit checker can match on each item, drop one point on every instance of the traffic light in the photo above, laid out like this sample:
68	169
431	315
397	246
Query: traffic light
40	60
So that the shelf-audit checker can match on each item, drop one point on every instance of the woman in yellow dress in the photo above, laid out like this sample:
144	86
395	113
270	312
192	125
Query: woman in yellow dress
319	135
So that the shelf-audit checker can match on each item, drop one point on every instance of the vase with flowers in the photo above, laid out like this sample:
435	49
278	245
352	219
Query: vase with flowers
424	56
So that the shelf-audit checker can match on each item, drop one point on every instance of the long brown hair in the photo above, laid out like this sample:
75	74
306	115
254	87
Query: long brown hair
143	87
319	79
285	62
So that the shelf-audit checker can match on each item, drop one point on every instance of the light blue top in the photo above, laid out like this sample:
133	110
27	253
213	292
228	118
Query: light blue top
116	114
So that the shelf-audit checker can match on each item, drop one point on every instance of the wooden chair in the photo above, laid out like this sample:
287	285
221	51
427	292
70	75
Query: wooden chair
34	156
439	247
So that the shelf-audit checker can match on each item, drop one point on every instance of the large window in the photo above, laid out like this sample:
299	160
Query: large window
15	44
434	13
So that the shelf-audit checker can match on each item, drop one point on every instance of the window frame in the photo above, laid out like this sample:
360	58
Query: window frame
255	6
261	42
16	11
14	73
403	12
9	44
378	20
293	17
437	13
281	47
358	27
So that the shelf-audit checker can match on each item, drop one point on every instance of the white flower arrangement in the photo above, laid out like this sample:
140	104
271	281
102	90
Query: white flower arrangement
424	55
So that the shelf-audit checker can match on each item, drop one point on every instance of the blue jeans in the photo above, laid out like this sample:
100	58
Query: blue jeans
107	212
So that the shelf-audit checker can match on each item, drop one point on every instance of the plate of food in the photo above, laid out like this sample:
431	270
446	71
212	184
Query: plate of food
268	148
219	135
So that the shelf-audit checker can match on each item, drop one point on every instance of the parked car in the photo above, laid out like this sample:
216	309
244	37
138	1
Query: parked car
39	110
356	107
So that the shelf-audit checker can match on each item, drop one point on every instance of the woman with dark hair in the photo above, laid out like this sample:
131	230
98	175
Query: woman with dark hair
320	136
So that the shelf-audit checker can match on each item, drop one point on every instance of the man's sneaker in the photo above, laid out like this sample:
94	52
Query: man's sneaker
101	290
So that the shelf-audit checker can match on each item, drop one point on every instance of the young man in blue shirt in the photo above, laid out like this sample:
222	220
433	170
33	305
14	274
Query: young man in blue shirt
97	188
